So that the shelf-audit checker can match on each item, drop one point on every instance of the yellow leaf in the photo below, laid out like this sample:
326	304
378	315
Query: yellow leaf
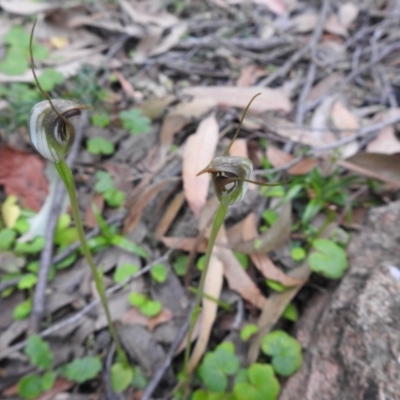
10	211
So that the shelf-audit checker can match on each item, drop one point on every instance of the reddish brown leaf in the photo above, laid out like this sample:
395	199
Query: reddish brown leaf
170	214
22	175
134	316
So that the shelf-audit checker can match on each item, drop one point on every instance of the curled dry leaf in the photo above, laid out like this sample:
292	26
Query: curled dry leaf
325	85
334	25
212	288
276	6
198	151
263	263
273	237
25	7
235	96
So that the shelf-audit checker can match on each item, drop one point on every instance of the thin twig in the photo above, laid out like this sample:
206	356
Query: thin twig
47	252
156	378
312	68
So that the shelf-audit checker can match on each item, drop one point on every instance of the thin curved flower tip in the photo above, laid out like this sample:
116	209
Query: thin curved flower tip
52	133
229	178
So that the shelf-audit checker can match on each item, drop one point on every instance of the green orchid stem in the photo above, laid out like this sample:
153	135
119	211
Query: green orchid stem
218	221
67	178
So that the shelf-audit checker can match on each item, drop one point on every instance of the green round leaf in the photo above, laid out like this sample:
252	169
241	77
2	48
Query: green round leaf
100	145
137	299
329	259
50	78
284	350
7	237
248	331
179	265
124	271
48	380
298	253
151	308
23	309
135	121
33	247
30	386
290	313
263	378
121	377
159	273
27	281
100	119
82	369
214	379
225	361
39	352
114	197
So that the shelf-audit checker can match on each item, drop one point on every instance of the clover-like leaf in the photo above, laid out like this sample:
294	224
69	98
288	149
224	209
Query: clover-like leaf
82	369
39	352
284	350
329	259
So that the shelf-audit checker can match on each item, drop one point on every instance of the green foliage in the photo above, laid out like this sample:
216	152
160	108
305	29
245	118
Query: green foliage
39	352
269	216
217	365
48	380
100	120
151	308
134	121
121	377
146	306
33	247
284	350
127	245
7	238
82	369
179	265
124	271
298	254
329	259
274	285
243	259
105	186
27	281
50	78
30	386
100	145
290	313
17	55
159	273
261	385
248	331
201	262
22	310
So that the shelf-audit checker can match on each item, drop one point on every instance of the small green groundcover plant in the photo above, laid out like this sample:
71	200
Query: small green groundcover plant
38	351
222	378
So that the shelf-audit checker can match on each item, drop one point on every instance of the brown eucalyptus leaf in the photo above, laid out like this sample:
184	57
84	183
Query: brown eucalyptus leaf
185	244
236	96
273	237
170	214
385	167
212	288
198	152
262	262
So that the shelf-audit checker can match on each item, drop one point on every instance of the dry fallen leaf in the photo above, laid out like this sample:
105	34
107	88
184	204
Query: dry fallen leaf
304	22
348	124
263	263
325	85
250	74
385	167
212	288
235	96
237	277
348	13
386	141
22	175
334	25
134	316
273	237
198	152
